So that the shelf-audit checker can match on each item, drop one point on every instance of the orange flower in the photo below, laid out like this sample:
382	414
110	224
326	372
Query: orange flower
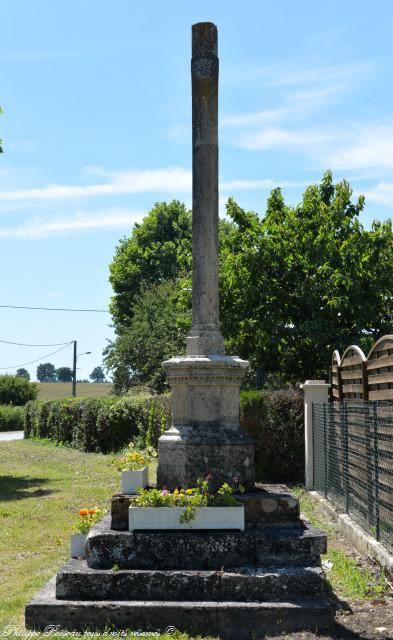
84	512
90	511
205	493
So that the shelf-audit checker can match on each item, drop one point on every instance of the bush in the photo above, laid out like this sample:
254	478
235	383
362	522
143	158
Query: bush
99	424
275	420
11	418
16	390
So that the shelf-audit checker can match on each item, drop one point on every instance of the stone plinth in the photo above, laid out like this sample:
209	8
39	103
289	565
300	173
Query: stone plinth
205	436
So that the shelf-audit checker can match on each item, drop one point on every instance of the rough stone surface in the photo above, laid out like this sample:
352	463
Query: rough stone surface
228	620
274	545
263	504
77	581
205	436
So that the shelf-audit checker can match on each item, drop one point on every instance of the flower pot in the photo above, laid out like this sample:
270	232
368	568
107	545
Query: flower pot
78	541
131	481
169	518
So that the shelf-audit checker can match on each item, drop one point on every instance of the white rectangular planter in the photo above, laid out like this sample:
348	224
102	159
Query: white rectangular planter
131	481
169	518
78	541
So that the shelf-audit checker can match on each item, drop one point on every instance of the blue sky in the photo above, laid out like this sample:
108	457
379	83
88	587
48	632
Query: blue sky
97	128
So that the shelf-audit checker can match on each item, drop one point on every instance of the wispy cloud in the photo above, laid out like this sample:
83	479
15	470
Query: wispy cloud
381	193
81	221
171	180
277	137
365	146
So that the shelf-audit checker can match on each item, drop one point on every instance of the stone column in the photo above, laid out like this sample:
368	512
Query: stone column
314	391
205	336
205	436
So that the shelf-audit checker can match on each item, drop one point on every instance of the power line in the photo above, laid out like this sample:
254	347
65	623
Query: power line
12	306
24	364
23	344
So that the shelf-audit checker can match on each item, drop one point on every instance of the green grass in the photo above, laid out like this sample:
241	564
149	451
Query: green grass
346	577
57	390
42	488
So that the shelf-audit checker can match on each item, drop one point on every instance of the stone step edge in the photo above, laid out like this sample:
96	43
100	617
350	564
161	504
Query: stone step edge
227	619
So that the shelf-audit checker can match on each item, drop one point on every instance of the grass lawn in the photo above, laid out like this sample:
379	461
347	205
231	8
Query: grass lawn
42	488
57	390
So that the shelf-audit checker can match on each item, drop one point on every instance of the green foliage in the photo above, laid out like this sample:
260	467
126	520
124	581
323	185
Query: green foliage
158	249
156	332
275	420
103	424
23	373
97	375
11	418
64	374
16	391
46	372
304	280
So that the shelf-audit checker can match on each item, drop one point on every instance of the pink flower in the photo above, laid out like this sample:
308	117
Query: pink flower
165	492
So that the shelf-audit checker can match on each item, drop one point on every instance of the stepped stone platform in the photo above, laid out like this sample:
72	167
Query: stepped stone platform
235	584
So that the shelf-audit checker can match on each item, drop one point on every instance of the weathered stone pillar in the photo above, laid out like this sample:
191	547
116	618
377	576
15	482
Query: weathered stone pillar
205	436
205	336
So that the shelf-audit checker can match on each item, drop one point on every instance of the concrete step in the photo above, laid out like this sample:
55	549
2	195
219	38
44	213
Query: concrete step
299	545
229	620
76	581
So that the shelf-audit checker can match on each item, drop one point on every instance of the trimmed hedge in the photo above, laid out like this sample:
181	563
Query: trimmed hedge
98	424
16	390
11	418
275	420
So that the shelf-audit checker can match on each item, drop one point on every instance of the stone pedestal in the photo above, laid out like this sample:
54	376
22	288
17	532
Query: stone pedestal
205	436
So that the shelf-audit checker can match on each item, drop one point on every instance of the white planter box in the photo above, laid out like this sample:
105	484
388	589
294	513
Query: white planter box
78	541
131	481
169	518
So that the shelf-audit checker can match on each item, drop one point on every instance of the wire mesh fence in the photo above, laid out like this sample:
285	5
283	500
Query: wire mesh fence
353	461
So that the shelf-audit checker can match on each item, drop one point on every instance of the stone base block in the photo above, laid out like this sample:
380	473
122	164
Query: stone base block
278	545
77	581
188	453
229	620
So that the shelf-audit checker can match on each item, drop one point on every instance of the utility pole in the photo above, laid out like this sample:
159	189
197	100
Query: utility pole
74	371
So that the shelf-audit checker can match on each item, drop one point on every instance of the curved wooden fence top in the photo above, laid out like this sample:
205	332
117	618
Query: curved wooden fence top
355	377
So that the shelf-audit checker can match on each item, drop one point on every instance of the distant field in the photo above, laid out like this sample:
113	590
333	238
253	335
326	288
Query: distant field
56	390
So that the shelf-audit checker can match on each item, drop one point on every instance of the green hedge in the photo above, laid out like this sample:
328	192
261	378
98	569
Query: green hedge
275	420
98	424
16	390
11	418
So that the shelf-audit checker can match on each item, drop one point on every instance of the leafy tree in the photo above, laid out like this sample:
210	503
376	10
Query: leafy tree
97	375
294	285
159	249
64	374
46	372
23	373
156	332
16	390
304	280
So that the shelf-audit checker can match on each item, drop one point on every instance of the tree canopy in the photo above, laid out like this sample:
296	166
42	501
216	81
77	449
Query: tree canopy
97	375
23	373
294	284
64	374
46	372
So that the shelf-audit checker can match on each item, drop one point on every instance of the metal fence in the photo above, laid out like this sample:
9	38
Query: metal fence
353	461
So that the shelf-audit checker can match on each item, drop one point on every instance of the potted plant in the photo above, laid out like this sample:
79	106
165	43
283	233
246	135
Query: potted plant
133	465
87	519
193	508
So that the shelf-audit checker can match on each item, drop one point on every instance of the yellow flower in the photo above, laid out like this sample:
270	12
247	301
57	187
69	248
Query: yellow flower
176	492
189	491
